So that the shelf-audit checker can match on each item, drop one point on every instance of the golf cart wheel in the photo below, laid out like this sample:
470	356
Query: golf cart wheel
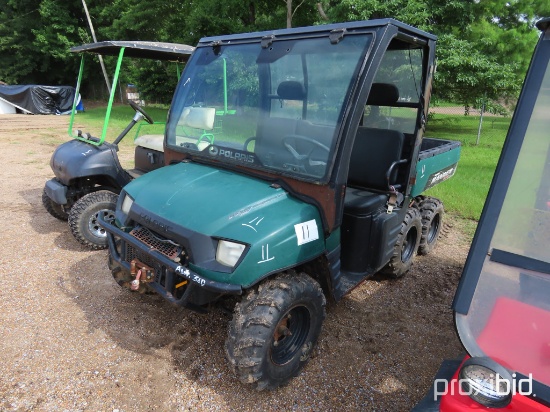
53	208
274	330
406	246
83	218
431	211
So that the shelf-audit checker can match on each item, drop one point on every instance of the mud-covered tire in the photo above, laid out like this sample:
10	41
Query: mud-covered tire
83	218
53	208
274	330
406	246
431	212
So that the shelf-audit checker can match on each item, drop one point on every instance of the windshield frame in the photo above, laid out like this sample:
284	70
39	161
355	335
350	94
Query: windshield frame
328	196
510	274
240	157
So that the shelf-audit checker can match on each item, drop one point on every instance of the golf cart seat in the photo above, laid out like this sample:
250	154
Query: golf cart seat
374	159
201	118
150	141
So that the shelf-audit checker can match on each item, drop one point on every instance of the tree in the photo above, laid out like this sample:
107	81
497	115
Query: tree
468	76
484	47
495	37
35	38
14	43
290	11
505	30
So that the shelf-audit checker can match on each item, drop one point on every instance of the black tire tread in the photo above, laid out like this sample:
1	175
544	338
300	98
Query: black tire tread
396	268
250	331
429	208
81	207
53	208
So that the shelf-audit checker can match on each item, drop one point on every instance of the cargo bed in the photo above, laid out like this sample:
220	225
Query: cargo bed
437	162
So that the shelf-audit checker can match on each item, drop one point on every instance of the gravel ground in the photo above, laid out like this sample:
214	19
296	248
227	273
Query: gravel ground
73	340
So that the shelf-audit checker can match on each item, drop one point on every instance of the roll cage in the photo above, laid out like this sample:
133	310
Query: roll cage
364	96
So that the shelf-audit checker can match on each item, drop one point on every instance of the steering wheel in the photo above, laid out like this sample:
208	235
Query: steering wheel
134	106
302	158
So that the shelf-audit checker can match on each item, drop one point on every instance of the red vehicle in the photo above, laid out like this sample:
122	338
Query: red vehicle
502	305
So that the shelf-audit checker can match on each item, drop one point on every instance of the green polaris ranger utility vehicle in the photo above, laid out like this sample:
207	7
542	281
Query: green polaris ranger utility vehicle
313	184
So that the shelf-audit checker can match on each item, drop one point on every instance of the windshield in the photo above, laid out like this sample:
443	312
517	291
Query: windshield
509	315
275	108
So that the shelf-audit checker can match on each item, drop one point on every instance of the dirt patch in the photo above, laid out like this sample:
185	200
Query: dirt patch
73	340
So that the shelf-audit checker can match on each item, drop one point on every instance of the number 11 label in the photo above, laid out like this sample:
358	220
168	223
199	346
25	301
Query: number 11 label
306	232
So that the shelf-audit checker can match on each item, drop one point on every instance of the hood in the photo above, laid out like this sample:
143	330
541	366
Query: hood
75	159
200	202
202	198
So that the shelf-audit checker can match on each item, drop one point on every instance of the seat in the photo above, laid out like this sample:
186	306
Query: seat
201	118
373	169
362	202
291	90
374	159
150	141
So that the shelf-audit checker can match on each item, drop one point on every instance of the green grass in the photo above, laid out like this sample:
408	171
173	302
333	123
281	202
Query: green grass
120	117
464	194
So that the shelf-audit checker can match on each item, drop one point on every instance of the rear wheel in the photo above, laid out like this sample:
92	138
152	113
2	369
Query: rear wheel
83	218
431	211
406	246
53	208
274	330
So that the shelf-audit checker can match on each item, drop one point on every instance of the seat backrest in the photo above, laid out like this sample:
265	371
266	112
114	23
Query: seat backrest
383	94
198	117
374	151
291	90
150	141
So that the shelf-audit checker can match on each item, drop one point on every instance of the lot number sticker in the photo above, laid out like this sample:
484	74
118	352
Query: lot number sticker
306	232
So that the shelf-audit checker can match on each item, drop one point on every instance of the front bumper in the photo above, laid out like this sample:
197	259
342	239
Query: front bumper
198	291
56	191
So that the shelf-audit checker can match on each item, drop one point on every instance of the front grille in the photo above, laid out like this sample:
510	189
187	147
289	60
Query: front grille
133	253
172	282
168	248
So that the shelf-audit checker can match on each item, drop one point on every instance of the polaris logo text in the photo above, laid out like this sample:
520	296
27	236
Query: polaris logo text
443	175
233	155
155	223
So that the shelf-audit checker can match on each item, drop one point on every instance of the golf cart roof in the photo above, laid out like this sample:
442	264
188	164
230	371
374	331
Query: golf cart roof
140	49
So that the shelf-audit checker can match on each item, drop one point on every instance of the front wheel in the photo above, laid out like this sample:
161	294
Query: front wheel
274	330
83	218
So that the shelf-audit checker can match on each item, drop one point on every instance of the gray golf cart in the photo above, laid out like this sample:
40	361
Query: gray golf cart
88	174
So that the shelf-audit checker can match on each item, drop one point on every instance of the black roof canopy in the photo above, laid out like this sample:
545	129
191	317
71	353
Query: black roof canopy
139	49
319	30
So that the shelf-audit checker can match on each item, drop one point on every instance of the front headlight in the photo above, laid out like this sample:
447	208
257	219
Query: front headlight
486	382
229	253
125	205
